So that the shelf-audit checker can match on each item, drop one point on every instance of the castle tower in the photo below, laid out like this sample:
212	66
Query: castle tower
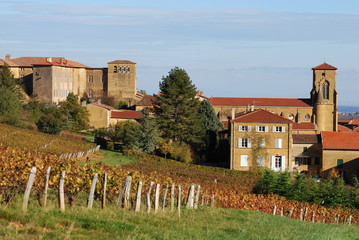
122	81
324	97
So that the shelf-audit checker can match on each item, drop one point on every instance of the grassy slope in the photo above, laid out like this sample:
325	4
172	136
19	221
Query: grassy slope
205	223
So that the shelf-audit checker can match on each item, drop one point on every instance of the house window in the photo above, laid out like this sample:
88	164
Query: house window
307	117
261	142
278	162
317	161
278	143
302	161
261	129
90	93
340	163
291	116
278	129
115	69
119	69
244	142
305	149
244	128
261	161
128	69
325	90
244	160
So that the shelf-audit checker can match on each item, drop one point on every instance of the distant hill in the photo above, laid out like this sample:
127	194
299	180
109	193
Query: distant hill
348	109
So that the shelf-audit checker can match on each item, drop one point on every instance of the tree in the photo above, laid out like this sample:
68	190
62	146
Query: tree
176	108
148	133
76	116
10	104
51	120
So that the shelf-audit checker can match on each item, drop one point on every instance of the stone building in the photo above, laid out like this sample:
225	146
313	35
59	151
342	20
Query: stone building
309	139
53	78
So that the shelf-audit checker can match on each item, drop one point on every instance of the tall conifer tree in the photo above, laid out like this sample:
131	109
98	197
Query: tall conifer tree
176	108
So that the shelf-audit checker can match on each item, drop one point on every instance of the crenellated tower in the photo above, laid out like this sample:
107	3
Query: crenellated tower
324	98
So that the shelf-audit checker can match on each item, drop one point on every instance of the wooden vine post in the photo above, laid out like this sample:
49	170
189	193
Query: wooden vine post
164	198
190	197
120	196
274	209
149	197
157	197
62	192
92	192
172	196
47	178
179	201
103	205
197	196
126	203
28	189
138	197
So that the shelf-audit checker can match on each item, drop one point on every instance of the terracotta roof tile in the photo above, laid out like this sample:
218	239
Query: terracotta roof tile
344	120
121	62
342	128
304	126
354	122
305	138
260	102
127	114
30	61
324	66
146	101
8	62
340	140
261	115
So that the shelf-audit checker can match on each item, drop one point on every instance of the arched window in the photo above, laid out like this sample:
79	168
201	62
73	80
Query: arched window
119	69
325	90
128	69
115	69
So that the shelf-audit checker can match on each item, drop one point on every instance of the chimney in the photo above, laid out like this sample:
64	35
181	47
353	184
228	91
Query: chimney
248	108
8	56
233	113
252	108
49	59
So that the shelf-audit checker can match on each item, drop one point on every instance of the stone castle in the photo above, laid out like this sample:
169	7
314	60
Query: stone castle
53	78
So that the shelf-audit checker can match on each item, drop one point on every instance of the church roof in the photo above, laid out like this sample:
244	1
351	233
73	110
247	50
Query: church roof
261	115
324	66
260	102
340	140
121	62
303	126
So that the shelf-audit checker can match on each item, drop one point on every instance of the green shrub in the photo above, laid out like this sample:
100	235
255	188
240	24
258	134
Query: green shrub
181	151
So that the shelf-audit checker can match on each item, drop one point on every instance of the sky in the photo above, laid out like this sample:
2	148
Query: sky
256	48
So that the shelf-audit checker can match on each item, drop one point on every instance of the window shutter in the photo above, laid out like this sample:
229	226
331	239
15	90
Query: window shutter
279	143
283	129
266	128
244	160
257	129
249	142
272	162
273	129
239	142
249	128
283	164
239	128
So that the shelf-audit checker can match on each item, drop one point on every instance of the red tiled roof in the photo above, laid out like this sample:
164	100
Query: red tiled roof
342	128
356	129
261	115
324	66
103	105
305	138
340	140
121	62
29	61
303	126
344	120
128	114
146	101
233	101
354	122
8	62
62	62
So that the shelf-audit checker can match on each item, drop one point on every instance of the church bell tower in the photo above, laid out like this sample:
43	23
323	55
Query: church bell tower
324	97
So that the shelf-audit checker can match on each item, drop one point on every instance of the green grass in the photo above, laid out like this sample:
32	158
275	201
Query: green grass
204	223
90	138
111	158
